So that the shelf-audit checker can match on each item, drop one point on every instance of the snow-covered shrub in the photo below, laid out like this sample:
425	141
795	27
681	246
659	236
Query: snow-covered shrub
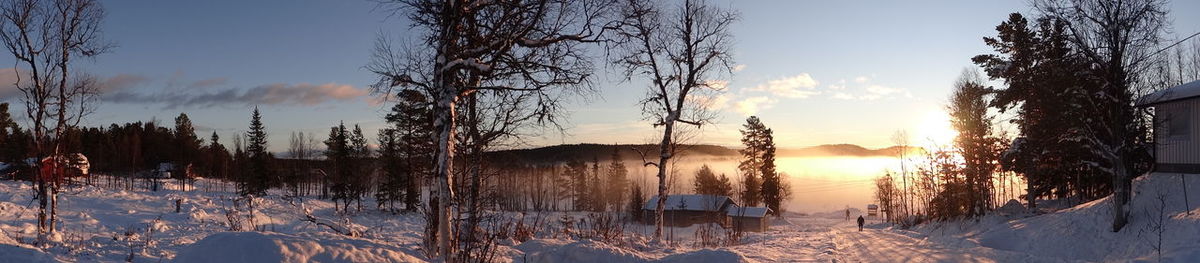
1152	234
606	227
567	222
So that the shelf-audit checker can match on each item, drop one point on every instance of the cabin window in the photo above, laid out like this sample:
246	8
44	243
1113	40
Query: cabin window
1177	123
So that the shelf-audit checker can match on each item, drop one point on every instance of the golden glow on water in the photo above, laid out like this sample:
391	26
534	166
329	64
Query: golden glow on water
818	183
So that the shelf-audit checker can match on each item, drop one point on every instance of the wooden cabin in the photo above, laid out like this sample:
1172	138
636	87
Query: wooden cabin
748	218
1177	128
687	210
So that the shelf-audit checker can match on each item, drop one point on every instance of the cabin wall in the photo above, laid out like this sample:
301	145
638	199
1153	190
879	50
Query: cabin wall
1180	155
686	218
752	224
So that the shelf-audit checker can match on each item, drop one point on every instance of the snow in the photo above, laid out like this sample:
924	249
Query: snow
234	247
710	203
584	251
752	211
1083	232
1187	90
13	251
107	225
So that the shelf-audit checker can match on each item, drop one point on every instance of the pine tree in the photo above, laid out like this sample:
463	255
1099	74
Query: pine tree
392	185
219	158
774	189
187	147
411	117
360	168
577	183
617	181
977	147
596	188
359	148
636	202
707	183
752	161
1044	89
9	139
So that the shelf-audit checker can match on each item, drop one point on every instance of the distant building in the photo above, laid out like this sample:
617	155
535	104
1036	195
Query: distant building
752	219
164	170
686	210
689	209
1176	128
75	164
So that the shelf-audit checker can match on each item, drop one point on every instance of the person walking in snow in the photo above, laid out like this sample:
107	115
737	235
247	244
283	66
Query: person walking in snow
860	222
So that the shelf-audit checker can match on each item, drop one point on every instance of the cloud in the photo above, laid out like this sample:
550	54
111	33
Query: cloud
861	79
711	102
739	67
120	82
872	92
204	83
752	105
8	79
270	94
719	102
8	87
798	86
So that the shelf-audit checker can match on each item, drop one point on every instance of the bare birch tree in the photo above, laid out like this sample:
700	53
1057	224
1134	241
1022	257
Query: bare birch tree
681	50
513	46
45	37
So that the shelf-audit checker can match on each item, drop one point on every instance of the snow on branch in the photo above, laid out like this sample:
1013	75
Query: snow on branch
347	229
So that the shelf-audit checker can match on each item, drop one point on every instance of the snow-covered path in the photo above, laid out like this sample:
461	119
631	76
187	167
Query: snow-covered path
803	240
884	245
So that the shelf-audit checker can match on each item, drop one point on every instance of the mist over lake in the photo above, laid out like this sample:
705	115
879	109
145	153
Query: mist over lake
818	184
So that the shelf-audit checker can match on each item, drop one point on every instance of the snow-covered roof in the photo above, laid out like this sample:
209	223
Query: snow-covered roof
710	203
753	211
1185	91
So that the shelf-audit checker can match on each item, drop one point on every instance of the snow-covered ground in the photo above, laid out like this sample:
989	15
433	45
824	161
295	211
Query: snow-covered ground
1083	232
100	225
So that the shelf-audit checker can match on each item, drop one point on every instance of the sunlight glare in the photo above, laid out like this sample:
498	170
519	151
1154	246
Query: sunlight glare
935	130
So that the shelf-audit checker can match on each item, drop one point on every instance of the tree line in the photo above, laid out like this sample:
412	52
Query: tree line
1071	75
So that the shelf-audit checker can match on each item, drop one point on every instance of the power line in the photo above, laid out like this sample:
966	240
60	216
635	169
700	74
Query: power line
1173	45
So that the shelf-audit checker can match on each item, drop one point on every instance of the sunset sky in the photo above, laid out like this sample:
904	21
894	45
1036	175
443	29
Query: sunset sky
818	72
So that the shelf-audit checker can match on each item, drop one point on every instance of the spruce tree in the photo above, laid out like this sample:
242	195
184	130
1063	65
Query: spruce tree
337	152
360	169
259	176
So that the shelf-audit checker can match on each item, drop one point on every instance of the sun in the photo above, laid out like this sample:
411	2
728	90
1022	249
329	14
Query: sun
934	130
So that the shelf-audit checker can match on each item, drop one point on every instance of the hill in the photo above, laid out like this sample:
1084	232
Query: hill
587	151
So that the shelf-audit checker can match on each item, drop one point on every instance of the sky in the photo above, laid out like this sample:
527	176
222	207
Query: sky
817	72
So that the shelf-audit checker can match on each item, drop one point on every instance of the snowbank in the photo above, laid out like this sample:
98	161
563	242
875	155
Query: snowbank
706	256
23	254
231	247
584	251
15	252
1084	232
